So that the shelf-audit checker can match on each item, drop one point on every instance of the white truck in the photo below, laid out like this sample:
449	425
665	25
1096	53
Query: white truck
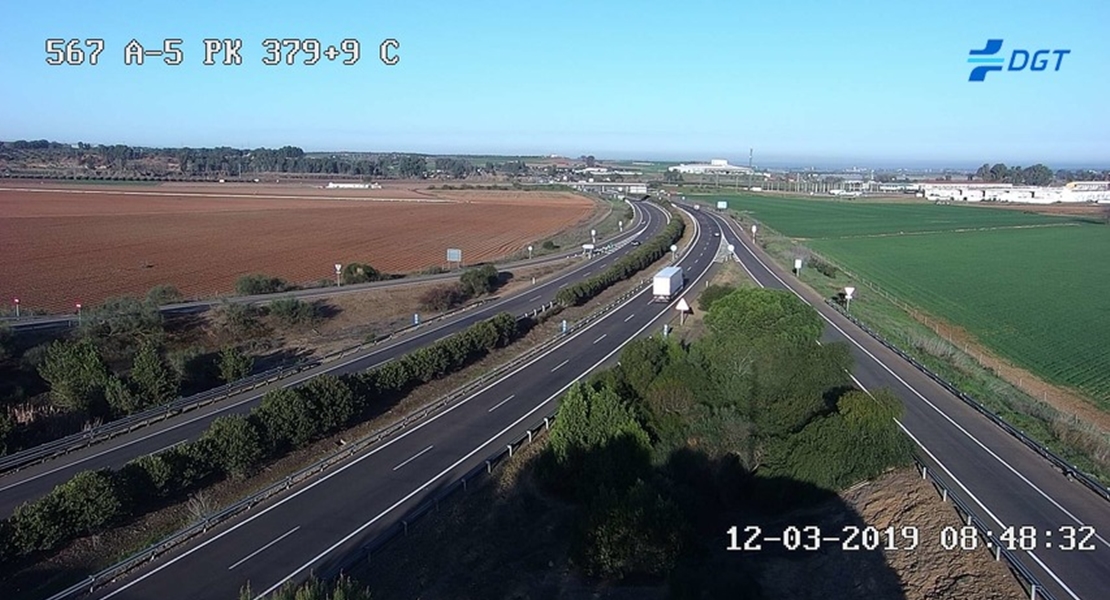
666	284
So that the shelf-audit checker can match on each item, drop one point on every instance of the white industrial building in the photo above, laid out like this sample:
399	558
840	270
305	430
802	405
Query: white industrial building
716	166
1076	191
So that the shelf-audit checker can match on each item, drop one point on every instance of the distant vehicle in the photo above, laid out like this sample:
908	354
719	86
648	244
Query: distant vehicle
666	284
635	242
697	207
716	234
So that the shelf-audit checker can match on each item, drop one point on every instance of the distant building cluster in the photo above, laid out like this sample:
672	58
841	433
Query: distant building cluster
716	166
1076	191
354	186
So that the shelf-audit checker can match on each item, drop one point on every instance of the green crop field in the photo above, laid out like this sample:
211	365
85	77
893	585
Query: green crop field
1033	288
829	218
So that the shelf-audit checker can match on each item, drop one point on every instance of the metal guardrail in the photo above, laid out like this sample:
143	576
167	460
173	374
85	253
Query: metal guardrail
1059	462
82	439
1034	586
152	552
60	447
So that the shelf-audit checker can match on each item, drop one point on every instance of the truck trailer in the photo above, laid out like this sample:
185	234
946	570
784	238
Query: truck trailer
666	284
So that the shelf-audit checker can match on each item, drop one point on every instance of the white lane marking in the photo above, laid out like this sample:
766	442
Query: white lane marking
936	408
558	366
412	458
629	318
257	552
984	507
498	405
601	338
536	298
587	273
463	459
400	437
295	380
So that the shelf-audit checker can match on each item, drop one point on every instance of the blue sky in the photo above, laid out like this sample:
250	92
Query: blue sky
801	81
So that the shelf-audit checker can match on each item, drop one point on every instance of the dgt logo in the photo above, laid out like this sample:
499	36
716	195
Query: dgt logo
1037	63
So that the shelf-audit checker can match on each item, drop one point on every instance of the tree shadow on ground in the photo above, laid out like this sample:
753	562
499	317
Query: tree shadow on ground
515	539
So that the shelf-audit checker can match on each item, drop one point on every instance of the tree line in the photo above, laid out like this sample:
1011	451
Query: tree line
659	453
627	266
237	445
234	162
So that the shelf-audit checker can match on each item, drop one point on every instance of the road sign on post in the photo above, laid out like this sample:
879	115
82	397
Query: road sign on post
674	249
16	307
415	318
722	205
848	291
338	270
682	309
798	267
620	224
529	252
454	255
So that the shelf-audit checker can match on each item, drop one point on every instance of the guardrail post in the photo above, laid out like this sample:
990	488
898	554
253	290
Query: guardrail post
546	424
510	446
489	467
529	436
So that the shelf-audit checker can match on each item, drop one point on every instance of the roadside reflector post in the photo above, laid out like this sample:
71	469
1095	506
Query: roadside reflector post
510	447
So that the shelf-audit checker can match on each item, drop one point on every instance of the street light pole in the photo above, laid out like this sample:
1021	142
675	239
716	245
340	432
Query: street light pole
16	307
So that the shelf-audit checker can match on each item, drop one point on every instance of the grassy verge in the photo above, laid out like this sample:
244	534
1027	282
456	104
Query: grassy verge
1078	442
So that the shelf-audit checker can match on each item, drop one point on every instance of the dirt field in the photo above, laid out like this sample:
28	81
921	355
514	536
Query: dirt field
64	244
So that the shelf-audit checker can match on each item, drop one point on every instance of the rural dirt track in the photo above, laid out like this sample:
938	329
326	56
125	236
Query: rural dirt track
84	244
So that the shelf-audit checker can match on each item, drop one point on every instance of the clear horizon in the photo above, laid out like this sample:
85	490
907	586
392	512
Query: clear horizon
845	85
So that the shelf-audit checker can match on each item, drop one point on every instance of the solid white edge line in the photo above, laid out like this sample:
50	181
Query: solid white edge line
392	441
413	457
476	450
292	381
257	552
959	427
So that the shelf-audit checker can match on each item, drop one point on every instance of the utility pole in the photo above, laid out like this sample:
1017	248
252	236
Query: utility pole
750	171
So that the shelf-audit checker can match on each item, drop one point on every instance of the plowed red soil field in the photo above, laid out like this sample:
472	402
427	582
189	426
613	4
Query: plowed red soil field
60	245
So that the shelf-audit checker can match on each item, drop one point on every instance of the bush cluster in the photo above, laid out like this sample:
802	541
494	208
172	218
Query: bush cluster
823	267
250	285
236	445
473	283
629	265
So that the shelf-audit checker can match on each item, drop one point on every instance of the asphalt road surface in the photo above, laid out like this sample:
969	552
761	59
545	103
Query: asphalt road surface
998	477
313	526
36	481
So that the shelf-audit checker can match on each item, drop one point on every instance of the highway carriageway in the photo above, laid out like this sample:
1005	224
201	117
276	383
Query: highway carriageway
349	505
1006	483
36	481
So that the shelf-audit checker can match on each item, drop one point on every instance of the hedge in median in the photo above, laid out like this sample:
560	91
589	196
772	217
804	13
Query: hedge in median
236	445
626	267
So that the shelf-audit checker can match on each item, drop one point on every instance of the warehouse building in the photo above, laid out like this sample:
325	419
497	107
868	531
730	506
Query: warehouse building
1076	191
717	166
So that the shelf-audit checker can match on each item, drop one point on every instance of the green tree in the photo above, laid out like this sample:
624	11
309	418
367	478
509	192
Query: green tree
7	424
5	341
119	396
288	418
754	314
76	375
234	364
713	293
120	325
634	533
154	383
332	401
999	172
236	442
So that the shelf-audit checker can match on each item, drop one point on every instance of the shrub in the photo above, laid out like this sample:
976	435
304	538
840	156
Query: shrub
482	280
360	273
75	373
239	319
823	267
163	294
442	297
154	383
713	293
250	285
234	364
288	419
236	442
548	245
293	311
